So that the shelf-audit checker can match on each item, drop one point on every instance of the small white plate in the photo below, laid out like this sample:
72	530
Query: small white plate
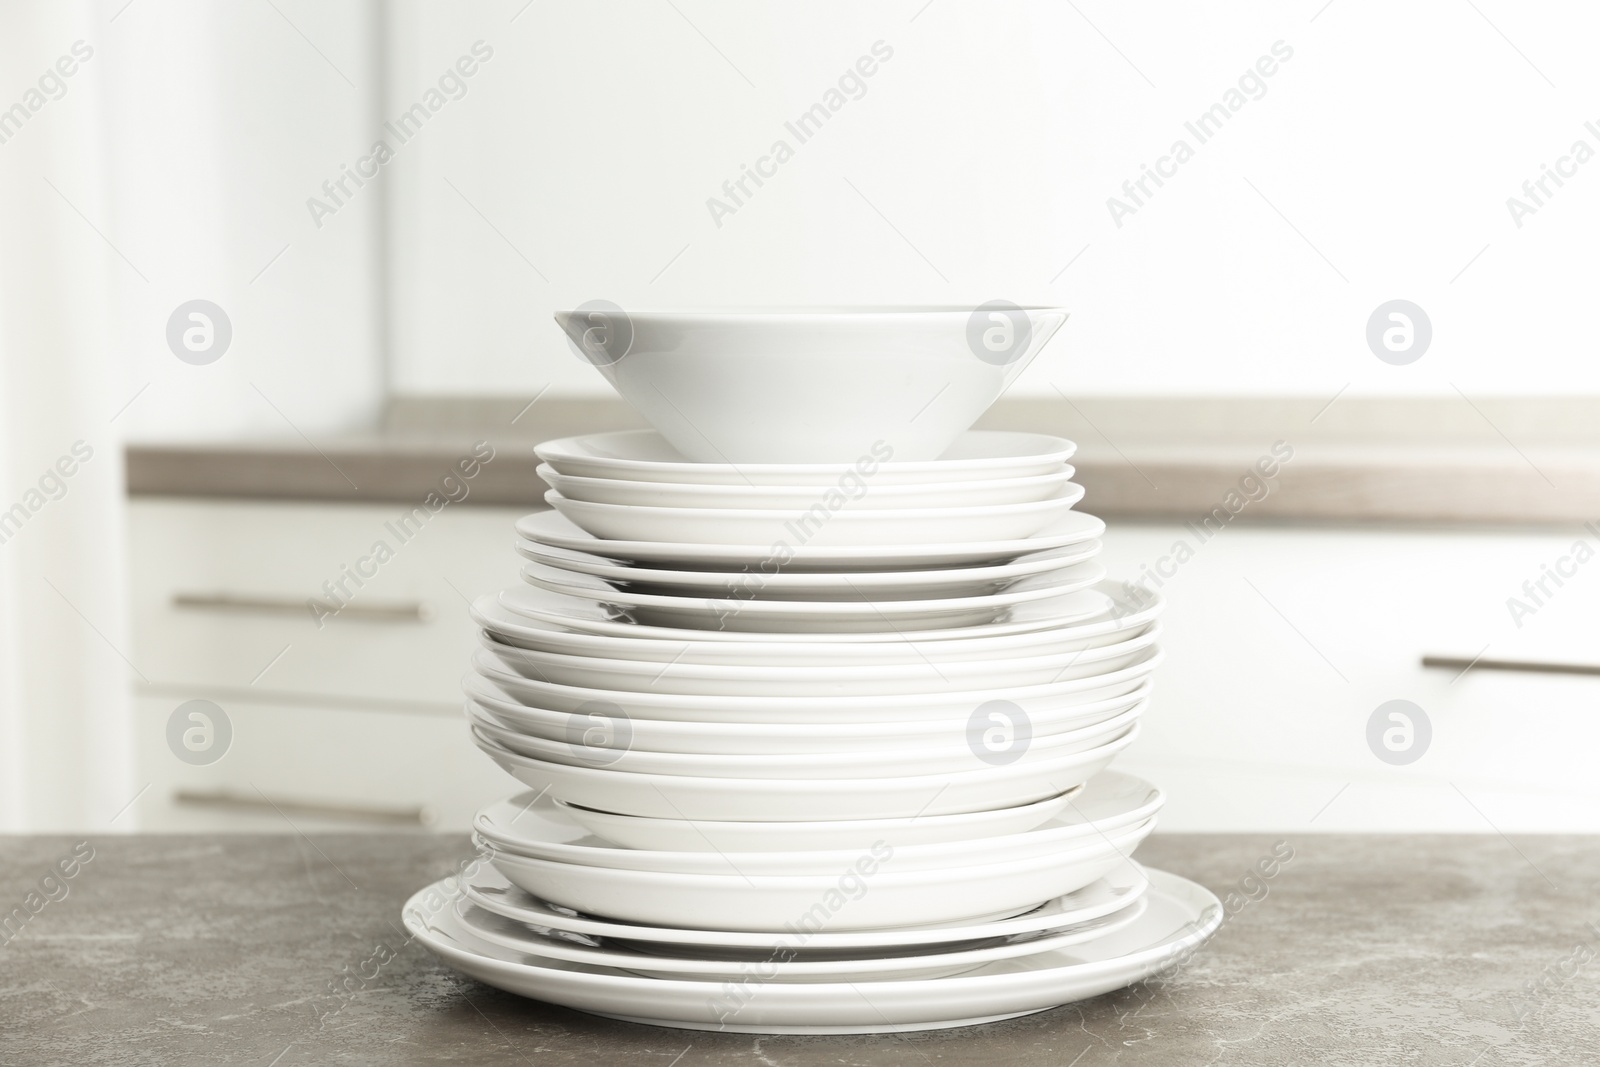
1114	892
644	455
603	741
799	799
1119	619
811	585
864	893
579	613
553	529
813	616
783	967
1041	701
859	491
542	828
821	524
1179	918
923	676
665	735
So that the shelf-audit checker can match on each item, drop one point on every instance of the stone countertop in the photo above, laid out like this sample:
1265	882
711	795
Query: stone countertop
1508	461
178	950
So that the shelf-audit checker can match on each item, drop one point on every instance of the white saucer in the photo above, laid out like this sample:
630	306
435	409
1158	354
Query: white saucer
644	455
1180	916
554	529
811	585
843	527
1113	892
861	491
814	616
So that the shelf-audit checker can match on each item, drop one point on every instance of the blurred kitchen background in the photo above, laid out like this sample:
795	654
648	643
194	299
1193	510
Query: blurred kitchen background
168	510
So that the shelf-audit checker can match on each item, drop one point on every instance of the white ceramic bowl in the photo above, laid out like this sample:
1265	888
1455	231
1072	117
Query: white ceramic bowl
709	837
875	894
645	456
862	492
800	799
726	738
809	386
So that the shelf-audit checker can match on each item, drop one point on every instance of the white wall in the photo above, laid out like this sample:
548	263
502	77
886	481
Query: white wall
1390	141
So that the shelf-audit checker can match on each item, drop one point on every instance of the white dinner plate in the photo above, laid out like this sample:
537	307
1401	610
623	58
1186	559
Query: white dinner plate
811	585
644	455
603	741
1119	618
579	613
922	676
1113	892
730	738
935	962
823	525
813	616
789	555
798	799
542	828
861	491
865	892
1031	701
1180	917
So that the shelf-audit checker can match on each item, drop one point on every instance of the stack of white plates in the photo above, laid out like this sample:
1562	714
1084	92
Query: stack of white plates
813	747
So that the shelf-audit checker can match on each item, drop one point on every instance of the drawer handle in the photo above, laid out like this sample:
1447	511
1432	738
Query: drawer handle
261	802
1458	663
403	611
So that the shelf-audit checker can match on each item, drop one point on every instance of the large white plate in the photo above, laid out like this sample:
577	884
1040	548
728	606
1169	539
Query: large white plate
977	455
844	526
603	741
1113	892
811	585
1033	700
556	530
719	679
1118	619
797	799
541	828
813	616
733	738
1180	917
864	892
861	491
578	613
937	962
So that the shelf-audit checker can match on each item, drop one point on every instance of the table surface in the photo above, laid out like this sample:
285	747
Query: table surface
177	950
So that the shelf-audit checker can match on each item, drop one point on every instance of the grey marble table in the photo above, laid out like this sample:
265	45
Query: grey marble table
230	950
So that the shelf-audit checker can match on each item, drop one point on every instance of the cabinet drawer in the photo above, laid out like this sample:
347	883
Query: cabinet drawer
310	768
221	591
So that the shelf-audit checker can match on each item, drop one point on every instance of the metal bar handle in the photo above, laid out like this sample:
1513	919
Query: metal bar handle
1527	666
399	611
418	816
